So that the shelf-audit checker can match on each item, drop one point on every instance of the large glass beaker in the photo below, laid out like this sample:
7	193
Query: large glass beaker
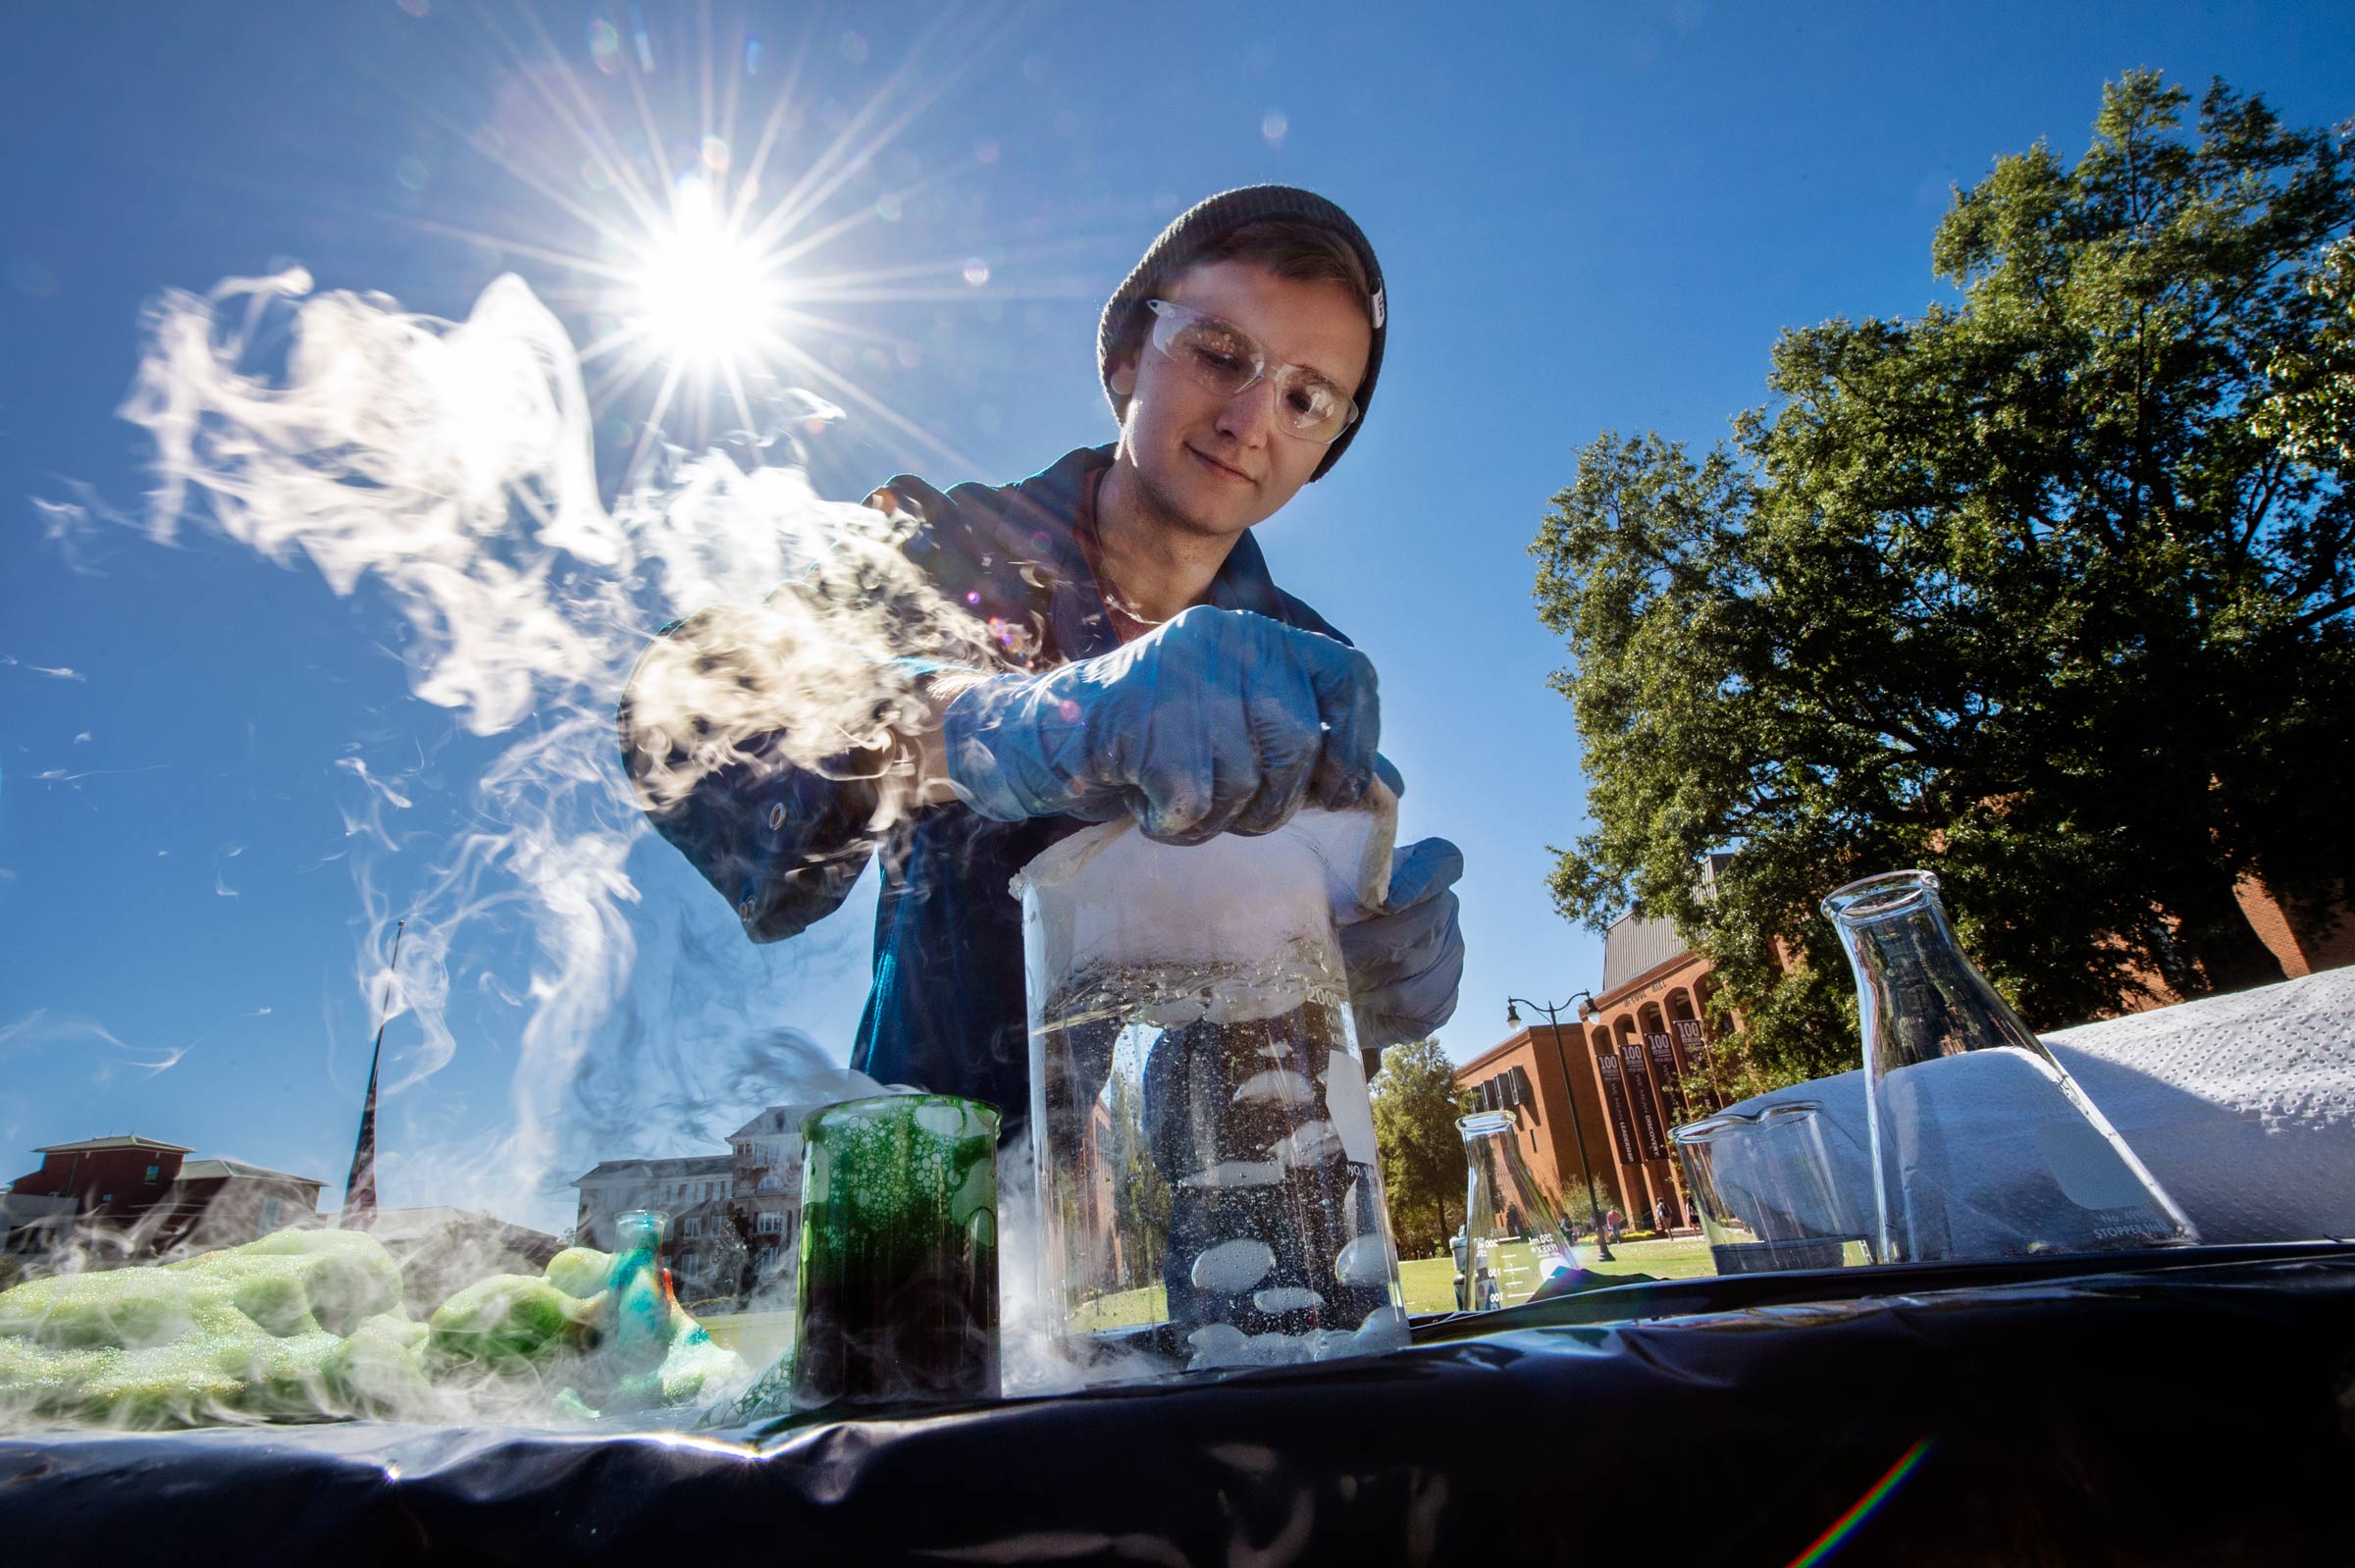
1982	1145
1207	1177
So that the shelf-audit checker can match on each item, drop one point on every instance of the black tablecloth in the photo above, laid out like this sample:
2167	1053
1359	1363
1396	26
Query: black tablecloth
2198	1409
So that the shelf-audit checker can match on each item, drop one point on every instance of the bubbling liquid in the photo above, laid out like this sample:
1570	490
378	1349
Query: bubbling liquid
1216	1200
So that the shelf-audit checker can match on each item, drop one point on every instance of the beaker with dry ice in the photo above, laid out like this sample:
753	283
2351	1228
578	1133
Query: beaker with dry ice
1206	1169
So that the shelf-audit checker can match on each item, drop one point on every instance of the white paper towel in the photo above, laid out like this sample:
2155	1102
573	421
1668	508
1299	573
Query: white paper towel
2242	1107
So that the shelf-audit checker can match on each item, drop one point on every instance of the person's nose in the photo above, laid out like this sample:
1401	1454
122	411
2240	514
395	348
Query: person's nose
1249	416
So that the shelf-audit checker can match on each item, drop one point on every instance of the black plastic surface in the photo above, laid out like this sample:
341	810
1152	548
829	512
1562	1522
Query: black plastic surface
2196	1409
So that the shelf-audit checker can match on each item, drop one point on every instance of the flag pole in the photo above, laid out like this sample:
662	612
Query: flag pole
359	1188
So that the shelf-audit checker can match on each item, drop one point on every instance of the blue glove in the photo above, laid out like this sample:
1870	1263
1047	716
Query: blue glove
1406	963
1217	721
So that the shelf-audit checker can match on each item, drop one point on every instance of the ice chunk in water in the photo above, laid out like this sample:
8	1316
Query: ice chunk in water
1175	1014
1363	1261
1276	1084
1250	1001
1219	1344
1237	1174
1384	1329
1233	1266
1287	1298
1312	1143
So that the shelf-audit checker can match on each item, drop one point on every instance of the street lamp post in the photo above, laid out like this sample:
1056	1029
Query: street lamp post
1512	1020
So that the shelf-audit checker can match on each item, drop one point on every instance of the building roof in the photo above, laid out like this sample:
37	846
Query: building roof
1524	1038
216	1170
774	1121
692	1165
119	1140
1635	946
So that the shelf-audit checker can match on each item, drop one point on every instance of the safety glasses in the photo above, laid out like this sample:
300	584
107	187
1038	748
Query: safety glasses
1223	358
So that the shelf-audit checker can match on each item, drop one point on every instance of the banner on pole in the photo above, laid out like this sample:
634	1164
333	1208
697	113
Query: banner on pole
1640	1098
1614	1097
1664	1073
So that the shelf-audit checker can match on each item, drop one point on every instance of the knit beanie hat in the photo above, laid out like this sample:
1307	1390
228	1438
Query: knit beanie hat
1196	230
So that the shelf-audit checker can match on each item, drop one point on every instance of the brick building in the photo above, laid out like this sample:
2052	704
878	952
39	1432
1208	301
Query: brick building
735	1218
1537	1078
134	1197
1639	1063
1648	1055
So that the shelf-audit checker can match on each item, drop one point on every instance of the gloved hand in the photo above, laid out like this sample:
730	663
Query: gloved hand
1405	963
1217	721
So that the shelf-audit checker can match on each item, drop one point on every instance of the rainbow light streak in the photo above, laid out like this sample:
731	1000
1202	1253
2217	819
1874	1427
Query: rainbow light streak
1865	1507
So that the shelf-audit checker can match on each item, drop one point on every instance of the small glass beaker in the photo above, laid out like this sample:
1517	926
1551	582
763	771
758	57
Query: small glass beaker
1207	1171
1769	1192
1982	1145
898	1285
1516	1239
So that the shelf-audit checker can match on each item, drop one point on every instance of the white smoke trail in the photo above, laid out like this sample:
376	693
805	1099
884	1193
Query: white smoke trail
448	466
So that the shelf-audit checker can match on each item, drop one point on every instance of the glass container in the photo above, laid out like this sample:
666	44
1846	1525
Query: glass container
641	1289
1768	1190
1209	1188
898	1285
1515	1239
1982	1147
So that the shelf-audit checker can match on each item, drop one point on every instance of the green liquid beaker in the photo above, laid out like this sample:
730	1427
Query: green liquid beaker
898	1260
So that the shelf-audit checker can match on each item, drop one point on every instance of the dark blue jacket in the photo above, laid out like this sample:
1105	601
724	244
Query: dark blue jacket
783	845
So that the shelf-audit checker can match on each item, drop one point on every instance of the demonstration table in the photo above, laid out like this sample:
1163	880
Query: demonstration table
2192	1407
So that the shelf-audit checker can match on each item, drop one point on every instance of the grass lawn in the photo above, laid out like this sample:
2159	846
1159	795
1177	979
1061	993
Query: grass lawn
761	1337
1431	1281
1128	1308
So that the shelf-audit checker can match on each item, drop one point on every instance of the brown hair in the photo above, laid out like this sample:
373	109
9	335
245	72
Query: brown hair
1289	247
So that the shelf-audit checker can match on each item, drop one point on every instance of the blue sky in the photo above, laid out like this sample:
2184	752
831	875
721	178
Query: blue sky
218	780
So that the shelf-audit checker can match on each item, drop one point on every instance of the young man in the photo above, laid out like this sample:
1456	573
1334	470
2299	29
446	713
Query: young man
1147	666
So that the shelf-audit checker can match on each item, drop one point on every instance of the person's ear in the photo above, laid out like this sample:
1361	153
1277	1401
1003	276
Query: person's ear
1123	379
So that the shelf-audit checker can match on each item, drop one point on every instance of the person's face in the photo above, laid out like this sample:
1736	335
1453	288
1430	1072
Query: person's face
1216	465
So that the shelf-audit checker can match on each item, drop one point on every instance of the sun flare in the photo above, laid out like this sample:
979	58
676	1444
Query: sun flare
706	294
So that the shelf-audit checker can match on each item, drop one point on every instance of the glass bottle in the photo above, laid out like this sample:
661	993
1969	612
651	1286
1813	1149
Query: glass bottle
1515	1239
1982	1147
641	1292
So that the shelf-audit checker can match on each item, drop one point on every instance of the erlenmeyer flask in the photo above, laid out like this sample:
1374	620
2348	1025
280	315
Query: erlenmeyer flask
1514	1241
1982	1147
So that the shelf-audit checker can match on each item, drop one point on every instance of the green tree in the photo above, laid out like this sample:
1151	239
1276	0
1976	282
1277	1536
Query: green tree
2311	406
2048	589
1141	1193
1416	1102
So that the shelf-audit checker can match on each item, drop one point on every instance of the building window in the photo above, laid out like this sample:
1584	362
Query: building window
771	1224
155	1173
695	1227
272	1210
